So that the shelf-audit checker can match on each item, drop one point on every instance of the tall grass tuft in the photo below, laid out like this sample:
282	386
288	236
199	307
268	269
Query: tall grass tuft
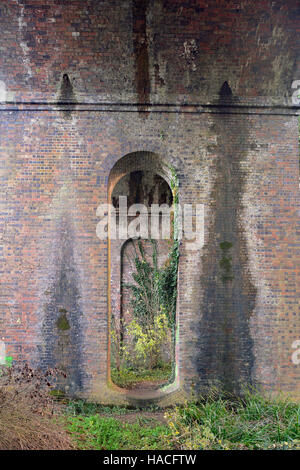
29	418
251	422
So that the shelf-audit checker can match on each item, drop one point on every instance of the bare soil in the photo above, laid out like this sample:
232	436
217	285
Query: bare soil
147	385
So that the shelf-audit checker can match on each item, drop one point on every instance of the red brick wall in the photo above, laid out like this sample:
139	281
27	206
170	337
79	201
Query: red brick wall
237	155
192	48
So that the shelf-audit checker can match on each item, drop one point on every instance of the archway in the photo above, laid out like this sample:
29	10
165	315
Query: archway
142	268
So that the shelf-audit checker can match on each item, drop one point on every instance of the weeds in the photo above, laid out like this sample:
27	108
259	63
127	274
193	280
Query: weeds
84	408
28	415
29	419
103	433
129	378
216	423
254	422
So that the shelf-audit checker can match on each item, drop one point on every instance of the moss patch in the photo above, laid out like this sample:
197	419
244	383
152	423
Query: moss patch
62	322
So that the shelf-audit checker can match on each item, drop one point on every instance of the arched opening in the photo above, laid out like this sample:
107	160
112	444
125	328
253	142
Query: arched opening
143	265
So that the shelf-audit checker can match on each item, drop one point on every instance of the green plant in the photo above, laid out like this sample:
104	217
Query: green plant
155	288
153	306
153	302
129	378
252	422
8	361
57	394
107	433
218	422
85	408
168	283
145	299
148	339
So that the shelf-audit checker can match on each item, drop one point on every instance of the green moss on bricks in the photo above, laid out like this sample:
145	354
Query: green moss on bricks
225	246
225	263
62	322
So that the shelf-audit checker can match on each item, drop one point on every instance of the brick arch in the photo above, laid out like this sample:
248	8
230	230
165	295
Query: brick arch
130	163
138	161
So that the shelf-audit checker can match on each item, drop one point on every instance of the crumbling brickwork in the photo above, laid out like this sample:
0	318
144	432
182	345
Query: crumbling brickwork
203	86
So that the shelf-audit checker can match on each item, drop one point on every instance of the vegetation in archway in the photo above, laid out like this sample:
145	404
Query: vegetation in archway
143	340
150	333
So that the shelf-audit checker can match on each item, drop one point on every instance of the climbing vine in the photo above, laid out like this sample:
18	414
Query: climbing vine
155	290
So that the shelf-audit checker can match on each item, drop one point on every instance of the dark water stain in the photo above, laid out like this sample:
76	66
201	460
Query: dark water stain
159	81
141	55
225	347
225	90
62	329
67	97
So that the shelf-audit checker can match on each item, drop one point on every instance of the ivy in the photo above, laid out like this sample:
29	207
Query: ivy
155	289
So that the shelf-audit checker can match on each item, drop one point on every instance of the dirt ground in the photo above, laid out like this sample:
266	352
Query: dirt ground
148	385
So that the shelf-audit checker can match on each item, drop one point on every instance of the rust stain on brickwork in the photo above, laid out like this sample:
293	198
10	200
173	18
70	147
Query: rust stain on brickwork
140	47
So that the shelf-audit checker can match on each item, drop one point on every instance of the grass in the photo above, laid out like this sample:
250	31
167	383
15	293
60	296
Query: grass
129	378
84	408
102	433
254	422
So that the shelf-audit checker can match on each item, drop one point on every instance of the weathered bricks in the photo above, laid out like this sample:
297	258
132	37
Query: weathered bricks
236	154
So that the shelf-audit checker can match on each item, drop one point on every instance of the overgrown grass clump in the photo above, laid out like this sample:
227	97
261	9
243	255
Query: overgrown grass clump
102	433
254	422
29	417
85	408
